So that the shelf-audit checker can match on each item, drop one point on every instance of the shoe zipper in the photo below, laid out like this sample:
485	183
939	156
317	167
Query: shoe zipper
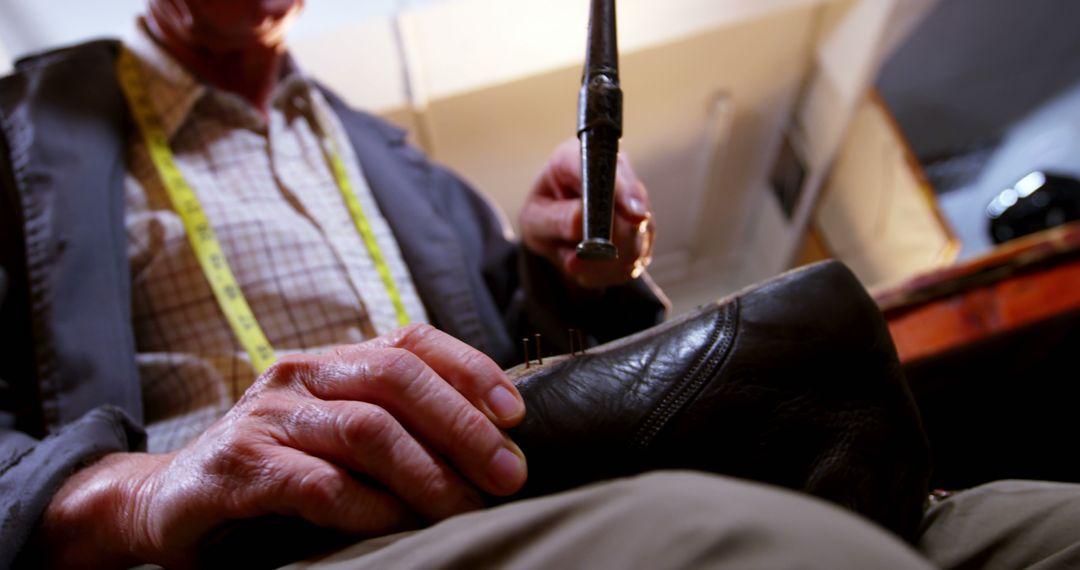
720	341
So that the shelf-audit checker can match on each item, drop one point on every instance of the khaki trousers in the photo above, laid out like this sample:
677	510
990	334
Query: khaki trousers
1006	525
655	521
691	520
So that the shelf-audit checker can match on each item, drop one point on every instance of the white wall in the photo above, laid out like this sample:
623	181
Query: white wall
5	61
30	25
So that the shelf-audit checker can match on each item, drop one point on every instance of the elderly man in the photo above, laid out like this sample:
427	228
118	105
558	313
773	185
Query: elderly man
186	206
412	407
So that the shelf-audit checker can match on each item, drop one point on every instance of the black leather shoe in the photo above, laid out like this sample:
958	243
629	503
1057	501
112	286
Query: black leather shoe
794	382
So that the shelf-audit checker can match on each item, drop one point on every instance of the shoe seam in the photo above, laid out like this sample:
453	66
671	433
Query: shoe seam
721	340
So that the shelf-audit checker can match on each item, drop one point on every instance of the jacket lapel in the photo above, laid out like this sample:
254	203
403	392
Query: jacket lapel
64	120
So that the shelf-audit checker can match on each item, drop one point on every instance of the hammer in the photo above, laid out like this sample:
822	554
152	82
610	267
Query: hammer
599	130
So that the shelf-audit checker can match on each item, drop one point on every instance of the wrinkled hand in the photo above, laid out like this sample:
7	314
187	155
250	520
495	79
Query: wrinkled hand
417	412
550	221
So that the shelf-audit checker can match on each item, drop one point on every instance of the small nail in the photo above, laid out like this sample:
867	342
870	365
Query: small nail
506	468
504	404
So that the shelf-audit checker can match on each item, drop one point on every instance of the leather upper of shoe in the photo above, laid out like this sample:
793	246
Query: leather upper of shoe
794	382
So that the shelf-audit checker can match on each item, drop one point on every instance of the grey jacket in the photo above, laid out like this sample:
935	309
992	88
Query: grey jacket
69	388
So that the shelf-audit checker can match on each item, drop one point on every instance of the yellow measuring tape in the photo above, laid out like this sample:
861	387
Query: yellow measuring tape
201	235
333	157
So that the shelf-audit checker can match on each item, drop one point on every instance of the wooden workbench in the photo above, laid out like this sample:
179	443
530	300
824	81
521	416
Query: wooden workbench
991	348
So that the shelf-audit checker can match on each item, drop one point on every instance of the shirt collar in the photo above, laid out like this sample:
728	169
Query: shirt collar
174	91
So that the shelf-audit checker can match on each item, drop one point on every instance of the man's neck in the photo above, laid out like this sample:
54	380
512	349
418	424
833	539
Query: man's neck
251	72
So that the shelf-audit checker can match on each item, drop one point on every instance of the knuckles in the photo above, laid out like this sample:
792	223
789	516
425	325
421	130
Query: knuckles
392	366
389	362
291	371
414	334
369	425
236	458
321	486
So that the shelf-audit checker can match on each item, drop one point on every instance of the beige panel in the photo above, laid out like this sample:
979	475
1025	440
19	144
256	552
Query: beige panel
465	45
500	137
877	212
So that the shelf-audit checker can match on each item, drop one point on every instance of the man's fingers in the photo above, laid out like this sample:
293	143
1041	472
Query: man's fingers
594	273
562	181
551	221
631	197
326	495
634	243
631	200
399	382
562	177
471	372
365	438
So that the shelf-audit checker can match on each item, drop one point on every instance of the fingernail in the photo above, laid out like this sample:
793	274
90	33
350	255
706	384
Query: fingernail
635	206
507	469
504	404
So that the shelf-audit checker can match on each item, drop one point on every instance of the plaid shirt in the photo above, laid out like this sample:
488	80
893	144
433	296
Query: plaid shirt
277	210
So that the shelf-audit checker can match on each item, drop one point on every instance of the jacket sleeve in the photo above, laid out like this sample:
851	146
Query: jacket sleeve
34	465
31	470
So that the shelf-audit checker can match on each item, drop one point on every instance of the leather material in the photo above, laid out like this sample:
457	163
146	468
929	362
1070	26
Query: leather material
794	382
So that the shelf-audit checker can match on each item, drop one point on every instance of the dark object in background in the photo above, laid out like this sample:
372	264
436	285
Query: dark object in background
787	177
1039	201
599	128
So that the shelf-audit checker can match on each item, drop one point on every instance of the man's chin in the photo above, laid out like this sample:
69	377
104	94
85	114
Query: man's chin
237	41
